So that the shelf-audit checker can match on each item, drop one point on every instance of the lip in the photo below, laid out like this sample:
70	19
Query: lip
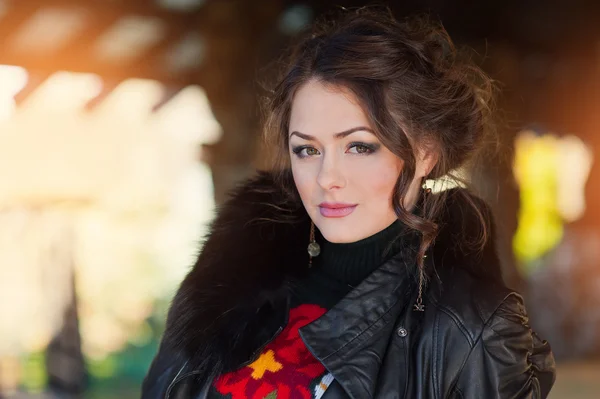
336	209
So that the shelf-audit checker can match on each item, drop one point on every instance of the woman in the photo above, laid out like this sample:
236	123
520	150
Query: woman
338	274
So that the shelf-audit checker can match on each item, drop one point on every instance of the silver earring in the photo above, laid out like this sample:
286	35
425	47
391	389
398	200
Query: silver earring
419	307
314	249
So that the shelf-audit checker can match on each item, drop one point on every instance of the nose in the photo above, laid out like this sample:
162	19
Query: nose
331	175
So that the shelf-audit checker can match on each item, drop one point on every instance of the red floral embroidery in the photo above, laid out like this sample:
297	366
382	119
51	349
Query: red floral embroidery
285	366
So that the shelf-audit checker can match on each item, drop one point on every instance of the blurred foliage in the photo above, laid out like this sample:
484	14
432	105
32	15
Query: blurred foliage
119	374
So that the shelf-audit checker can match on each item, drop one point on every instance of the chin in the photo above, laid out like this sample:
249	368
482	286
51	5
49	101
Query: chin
339	234
340	239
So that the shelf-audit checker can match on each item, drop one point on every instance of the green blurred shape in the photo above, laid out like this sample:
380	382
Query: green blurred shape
34	372
102	368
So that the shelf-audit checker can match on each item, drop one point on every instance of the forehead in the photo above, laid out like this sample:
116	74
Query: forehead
319	108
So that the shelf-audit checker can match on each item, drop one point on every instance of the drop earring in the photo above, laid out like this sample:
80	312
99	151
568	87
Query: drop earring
419	307
314	249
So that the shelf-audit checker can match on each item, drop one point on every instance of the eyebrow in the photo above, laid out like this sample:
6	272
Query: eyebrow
339	135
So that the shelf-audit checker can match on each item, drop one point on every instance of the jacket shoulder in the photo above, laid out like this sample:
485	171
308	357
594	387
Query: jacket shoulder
483	327
470	301
507	358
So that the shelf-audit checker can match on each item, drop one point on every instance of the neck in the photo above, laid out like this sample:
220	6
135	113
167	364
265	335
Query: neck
350	263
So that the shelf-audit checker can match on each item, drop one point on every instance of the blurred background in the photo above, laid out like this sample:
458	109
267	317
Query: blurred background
124	122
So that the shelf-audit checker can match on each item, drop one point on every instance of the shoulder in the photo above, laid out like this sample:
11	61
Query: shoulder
484	328
469	302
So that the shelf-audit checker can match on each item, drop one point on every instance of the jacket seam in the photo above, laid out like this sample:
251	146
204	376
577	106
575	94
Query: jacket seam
452	315
455	387
459	392
174	380
480	310
436	328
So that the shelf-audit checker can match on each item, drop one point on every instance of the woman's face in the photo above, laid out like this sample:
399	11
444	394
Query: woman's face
344	175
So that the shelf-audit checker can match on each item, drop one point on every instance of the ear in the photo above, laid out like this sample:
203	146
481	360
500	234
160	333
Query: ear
427	158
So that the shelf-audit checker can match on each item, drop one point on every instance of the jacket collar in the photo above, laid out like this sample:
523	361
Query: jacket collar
235	296
351	338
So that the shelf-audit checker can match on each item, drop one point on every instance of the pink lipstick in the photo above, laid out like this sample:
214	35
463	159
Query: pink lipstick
336	209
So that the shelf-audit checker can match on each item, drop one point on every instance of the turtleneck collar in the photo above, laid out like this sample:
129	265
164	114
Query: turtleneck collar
350	263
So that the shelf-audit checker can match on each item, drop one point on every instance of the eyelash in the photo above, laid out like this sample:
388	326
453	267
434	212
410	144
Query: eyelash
371	148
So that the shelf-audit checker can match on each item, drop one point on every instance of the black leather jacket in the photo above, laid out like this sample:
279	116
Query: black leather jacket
472	341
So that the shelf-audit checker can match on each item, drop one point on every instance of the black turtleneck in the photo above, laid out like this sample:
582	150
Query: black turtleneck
342	266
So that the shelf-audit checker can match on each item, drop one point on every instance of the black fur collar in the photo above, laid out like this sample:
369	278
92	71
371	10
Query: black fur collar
255	248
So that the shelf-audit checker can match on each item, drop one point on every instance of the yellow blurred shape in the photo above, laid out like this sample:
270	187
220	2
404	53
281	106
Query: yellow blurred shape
535	169
551	173
575	160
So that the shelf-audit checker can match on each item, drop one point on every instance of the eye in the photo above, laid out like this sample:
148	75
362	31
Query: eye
305	151
311	151
361	148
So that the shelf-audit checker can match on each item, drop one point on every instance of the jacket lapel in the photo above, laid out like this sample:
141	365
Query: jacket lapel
352	338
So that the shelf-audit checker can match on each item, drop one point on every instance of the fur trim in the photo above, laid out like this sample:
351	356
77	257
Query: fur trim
254	248
226	306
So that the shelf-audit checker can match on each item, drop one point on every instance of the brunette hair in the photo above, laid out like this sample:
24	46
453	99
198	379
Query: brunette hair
414	88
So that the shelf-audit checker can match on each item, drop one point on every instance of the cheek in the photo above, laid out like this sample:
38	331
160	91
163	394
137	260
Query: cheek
383	185
379	178
304	180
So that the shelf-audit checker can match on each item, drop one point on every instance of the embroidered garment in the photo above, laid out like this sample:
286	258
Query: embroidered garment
286	369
